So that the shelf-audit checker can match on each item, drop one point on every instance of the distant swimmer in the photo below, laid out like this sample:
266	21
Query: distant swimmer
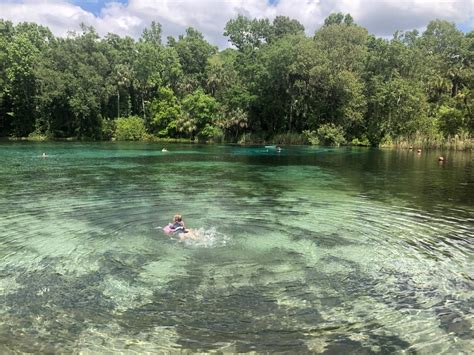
278	148
44	155
164	150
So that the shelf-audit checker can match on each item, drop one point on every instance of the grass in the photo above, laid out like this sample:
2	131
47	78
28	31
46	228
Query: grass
288	138
457	142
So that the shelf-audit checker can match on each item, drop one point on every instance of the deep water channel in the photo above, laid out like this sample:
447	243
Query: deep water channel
304	250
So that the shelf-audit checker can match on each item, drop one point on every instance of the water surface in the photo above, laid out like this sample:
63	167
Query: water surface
306	250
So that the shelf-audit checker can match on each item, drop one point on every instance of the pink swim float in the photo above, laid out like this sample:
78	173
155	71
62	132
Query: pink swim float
168	230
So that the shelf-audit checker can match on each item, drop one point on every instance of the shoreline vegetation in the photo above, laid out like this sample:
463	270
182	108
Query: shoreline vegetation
457	143
340	86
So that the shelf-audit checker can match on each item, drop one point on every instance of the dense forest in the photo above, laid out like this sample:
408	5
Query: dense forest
340	86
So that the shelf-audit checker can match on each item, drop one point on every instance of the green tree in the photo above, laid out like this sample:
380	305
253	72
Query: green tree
443	46
7	32
278	86
122	76
233	122
247	34
283	26
72	77
339	19
193	52
155	67
342	82
165	110
199	111
152	34
21	56
397	107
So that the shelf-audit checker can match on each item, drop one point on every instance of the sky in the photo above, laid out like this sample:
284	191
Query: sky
130	17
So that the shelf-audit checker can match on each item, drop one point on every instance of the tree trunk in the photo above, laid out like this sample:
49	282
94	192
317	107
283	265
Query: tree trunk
118	103
290	123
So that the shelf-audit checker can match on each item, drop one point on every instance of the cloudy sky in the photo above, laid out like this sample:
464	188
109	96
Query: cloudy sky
129	17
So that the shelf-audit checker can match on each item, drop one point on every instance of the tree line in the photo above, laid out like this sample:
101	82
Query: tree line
341	85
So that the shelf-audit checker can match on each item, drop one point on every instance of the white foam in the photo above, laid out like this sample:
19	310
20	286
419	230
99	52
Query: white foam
204	238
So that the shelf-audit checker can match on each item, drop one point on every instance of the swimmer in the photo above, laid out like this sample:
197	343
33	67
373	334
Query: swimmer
164	150
178	227
44	155
278	148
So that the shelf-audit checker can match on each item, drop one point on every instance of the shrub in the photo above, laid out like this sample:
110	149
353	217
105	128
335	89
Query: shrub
107	128
212	133
130	129
330	134
311	136
450	120
327	134
363	142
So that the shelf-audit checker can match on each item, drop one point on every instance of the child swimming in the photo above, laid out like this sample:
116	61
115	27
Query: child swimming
177	226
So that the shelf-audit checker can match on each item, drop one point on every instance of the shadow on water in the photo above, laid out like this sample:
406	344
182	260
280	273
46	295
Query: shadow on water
49	310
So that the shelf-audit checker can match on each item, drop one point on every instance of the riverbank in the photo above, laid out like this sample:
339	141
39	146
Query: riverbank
458	142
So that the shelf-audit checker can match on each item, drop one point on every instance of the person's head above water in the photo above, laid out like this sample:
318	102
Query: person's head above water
177	218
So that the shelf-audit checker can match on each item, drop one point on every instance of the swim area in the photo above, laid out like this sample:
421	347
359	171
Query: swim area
310	249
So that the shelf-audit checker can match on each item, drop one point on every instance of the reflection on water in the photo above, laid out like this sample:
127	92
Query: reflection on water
307	249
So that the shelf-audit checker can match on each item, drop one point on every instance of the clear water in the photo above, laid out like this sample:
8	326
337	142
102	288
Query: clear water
306	250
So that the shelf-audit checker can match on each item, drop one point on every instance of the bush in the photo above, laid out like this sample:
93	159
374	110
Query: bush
327	134
130	129
450	121
211	133
108	129
37	136
362	142
386	141
311	136
330	134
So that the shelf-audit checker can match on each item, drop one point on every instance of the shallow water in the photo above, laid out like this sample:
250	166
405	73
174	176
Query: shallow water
306	250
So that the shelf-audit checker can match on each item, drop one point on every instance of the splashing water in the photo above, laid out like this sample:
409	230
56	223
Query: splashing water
204	238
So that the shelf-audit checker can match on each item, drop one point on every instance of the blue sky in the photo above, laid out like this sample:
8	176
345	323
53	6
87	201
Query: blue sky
94	6
466	26
130	17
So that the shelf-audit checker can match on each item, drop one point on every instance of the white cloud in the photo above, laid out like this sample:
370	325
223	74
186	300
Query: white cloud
381	17
59	16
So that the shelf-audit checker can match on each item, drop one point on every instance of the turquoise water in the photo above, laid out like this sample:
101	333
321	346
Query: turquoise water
304	250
